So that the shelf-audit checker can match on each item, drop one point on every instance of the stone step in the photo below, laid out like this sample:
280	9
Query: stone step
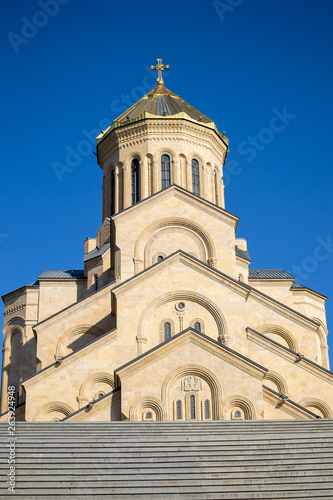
194	474
218	460
169	487
174	443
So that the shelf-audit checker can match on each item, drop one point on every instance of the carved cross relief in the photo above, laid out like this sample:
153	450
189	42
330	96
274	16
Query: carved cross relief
191	383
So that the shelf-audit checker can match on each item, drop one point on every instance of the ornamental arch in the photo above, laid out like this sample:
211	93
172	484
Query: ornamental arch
52	411
181	295
197	232
279	334
75	338
201	373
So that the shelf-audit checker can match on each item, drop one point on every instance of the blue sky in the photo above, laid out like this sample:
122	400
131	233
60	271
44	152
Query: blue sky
241	62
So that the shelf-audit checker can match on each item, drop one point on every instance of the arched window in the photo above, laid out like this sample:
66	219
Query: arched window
197	326
167	331
113	193
192	401
160	258
215	188
207	412
237	414
165	171
135	181
149	415
179	410
96	282
195	177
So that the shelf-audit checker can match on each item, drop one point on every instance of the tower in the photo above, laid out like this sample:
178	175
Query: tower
166	321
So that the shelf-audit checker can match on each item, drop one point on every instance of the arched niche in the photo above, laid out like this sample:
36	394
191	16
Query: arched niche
197	371
197	233
317	406
52	411
183	295
75	338
144	404
93	385
234	402
280	335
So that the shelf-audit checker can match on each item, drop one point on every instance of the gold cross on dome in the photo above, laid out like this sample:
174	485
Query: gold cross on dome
160	67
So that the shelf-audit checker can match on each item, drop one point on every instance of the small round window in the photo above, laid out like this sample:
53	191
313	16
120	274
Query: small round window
180	306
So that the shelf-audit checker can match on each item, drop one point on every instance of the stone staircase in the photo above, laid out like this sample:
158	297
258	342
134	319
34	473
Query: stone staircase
281	459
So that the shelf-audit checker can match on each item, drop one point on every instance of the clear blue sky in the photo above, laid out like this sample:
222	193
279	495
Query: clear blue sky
241	68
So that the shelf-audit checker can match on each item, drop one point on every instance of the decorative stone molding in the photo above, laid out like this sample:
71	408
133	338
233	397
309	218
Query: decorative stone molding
199	234
241	402
19	307
198	371
52	407
77	331
279	382
180	295
147	403
281	332
297	360
320	405
287	406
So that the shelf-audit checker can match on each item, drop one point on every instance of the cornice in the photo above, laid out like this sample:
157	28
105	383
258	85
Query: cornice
240	287
289	355
287	405
283	309
71	358
162	130
187	260
204	342
181	194
98	406
14	309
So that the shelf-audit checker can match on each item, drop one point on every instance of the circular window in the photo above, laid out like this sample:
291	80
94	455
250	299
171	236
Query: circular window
180	306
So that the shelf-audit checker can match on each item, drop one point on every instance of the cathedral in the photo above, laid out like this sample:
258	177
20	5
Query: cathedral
166	321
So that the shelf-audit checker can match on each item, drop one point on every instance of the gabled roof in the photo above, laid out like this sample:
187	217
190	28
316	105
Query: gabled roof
191	333
182	194
269	274
62	275
97	252
247	290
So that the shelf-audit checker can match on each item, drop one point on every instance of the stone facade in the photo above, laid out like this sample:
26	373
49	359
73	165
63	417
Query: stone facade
165	322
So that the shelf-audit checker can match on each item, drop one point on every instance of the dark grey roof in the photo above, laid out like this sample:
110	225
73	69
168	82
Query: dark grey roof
243	254
269	274
297	285
34	283
97	252
62	275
